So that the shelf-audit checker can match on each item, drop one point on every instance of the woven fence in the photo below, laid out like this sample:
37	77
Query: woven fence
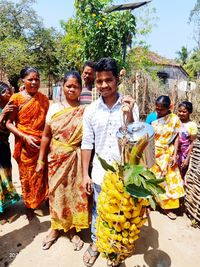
192	198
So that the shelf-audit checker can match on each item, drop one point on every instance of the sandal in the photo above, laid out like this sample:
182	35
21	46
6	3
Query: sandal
38	212
93	254
112	264
77	242
170	214
48	243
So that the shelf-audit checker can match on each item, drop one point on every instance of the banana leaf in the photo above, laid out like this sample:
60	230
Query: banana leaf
105	165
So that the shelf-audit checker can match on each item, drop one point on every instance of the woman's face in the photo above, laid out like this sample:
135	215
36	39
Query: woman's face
183	114
72	89
32	83
5	95
161	110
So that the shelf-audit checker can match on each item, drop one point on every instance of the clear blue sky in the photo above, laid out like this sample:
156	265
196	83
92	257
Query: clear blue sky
172	30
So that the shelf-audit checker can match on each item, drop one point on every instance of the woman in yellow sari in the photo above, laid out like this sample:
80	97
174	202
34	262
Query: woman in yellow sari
27	125
63	132
166	126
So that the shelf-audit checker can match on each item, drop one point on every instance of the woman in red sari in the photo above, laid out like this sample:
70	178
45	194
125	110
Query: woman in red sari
27	125
63	133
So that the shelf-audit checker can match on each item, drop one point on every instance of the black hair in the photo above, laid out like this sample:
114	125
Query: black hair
90	64
27	70
107	64
164	100
4	86
73	74
188	105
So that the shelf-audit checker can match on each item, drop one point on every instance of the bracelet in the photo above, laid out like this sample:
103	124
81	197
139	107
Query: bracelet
40	162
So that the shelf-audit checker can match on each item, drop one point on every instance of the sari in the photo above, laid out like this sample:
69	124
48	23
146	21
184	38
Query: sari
67	198
187	129
166	130
30	120
8	194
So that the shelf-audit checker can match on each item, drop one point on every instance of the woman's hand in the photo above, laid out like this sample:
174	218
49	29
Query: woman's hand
185	163
32	141
8	109
88	185
173	160
40	166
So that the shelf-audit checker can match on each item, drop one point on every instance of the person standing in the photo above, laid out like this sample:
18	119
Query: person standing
61	141
166	127
27	125
89	92
101	121
8	194
187	135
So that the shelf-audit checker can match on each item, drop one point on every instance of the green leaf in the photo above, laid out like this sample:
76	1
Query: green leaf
105	165
155	181
152	203
137	191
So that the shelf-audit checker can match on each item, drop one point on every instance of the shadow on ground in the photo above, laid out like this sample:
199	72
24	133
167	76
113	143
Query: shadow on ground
148	245
13	242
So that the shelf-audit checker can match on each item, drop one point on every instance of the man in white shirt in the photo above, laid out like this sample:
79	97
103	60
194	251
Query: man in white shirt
101	121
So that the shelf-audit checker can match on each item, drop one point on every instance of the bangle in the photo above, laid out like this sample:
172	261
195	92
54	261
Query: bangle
40	162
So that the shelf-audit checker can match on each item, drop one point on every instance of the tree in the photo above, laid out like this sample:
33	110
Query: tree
183	55
104	34
195	18
193	65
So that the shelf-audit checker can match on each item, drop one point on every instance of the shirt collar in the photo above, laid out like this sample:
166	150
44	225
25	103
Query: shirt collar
118	102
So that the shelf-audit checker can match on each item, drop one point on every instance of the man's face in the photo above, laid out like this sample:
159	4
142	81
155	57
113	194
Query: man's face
106	83
88	75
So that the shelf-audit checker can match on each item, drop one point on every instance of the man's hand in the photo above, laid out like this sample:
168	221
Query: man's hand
128	101
88	185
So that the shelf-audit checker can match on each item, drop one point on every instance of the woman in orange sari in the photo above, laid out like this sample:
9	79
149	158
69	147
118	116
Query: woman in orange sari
63	132
27	126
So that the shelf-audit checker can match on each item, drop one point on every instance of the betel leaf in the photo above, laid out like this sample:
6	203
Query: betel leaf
105	165
137	191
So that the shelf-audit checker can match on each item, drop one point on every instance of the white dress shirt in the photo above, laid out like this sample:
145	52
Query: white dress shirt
100	125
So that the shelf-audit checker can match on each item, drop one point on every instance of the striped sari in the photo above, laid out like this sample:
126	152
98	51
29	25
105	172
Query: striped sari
68	201
30	120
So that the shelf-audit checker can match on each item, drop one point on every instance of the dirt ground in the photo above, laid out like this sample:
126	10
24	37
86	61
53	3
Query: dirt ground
162	242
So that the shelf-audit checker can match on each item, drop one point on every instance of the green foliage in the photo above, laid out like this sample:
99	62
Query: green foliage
104	34
142	183
193	64
138	59
183	55
105	165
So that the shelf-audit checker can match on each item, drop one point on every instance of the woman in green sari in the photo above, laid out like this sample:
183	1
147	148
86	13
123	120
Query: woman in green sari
8	194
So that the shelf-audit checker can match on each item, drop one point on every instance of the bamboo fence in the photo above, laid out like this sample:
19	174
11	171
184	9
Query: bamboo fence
192	198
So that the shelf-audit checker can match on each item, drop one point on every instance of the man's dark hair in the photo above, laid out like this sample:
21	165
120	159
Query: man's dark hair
107	64
90	64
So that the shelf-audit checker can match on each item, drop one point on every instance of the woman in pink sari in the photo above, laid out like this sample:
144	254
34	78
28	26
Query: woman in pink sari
63	133
187	135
